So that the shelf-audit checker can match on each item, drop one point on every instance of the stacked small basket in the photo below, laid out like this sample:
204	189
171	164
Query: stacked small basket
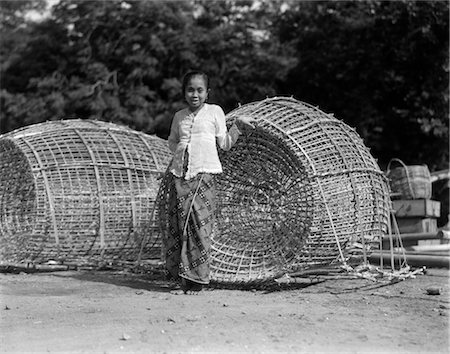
409	182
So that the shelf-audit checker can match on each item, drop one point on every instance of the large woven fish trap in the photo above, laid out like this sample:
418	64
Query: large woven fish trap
301	190
79	191
349	207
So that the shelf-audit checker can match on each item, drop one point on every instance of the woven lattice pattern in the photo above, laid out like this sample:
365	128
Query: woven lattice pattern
264	209
350	204
79	191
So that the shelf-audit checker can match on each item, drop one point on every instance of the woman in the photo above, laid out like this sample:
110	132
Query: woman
195	133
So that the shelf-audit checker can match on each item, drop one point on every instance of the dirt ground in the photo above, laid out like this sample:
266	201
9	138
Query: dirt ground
123	312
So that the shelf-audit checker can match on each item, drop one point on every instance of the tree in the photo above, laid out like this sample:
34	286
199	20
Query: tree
381	66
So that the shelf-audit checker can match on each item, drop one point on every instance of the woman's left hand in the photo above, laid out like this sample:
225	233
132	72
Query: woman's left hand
245	121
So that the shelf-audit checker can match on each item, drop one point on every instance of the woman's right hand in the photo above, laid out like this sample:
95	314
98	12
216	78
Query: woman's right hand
245	121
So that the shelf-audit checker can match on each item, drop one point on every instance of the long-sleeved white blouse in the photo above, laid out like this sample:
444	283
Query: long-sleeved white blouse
198	135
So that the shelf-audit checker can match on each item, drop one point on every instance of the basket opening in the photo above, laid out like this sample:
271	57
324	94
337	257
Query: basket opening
264	206
17	188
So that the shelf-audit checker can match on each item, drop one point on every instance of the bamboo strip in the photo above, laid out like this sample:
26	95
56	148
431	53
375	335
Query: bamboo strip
130	181
48	191
99	189
418	236
417	260
445	247
157	163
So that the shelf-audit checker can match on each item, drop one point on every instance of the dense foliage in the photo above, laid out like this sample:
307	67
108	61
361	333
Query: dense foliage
380	66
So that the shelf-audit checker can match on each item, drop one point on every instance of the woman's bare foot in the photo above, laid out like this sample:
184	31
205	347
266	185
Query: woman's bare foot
193	288
180	289
187	287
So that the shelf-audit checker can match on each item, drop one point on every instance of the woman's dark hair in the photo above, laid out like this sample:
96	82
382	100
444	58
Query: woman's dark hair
189	75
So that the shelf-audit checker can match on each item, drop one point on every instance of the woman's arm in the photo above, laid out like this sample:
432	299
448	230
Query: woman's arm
174	137
225	139
245	121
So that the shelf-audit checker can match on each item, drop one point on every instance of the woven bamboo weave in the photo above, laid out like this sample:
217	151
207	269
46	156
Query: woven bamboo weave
350	202
79	191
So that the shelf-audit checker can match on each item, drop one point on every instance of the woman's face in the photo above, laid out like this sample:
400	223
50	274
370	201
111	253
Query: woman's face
196	92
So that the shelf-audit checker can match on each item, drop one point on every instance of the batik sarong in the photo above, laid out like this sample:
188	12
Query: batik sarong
190	224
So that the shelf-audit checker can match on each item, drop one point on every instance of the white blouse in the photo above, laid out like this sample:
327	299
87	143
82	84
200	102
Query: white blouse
198	136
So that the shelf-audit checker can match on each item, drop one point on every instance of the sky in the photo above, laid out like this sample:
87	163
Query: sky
34	15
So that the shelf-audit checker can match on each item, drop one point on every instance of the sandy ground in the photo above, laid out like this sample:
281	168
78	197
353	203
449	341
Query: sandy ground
123	312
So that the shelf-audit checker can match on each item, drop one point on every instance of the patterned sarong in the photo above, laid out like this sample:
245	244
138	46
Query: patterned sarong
190	224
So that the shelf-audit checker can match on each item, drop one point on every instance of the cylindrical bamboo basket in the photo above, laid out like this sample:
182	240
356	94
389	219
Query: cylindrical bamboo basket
301	190
79	191
409	182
